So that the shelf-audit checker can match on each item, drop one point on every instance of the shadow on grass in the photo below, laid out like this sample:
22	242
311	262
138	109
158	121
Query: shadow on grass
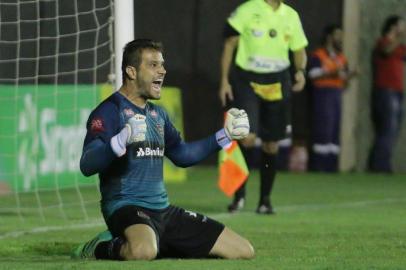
51	248
40	252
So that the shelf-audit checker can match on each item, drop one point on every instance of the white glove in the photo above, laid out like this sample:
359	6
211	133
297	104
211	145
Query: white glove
137	127
134	131
237	125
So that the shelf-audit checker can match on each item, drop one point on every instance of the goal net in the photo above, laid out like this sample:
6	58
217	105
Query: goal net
55	61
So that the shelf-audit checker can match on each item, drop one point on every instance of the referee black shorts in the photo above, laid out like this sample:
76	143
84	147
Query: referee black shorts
270	120
180	233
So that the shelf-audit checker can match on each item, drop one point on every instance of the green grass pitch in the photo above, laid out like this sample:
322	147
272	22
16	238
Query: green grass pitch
338	221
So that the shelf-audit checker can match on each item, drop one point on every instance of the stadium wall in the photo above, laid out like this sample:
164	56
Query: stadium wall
372	13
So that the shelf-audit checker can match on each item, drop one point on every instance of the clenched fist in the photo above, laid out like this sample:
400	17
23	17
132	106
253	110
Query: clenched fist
137	127
236	125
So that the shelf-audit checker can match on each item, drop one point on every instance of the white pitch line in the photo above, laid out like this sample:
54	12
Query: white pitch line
288	208
92	224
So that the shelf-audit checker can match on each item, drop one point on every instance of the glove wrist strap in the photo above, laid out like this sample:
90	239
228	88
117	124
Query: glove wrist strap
118	142
222	139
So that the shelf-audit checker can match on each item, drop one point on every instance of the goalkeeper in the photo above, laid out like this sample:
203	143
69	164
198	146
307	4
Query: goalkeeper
127	138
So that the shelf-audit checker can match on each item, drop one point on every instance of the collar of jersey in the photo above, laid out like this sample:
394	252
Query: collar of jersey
142	110
280	10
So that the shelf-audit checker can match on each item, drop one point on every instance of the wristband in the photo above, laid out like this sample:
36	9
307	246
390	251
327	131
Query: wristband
222	139
118	142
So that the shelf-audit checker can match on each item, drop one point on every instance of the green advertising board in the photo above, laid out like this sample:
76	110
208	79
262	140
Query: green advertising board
42	128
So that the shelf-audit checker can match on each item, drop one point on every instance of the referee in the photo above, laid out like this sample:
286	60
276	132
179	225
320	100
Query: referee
263	32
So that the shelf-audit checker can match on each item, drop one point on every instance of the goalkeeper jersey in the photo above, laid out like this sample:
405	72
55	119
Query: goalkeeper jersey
137	177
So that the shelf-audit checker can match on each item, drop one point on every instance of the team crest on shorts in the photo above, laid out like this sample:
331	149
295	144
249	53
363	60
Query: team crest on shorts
142	214
97	125
128	112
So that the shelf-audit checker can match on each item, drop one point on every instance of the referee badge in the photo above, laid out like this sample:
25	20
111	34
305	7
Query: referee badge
273	33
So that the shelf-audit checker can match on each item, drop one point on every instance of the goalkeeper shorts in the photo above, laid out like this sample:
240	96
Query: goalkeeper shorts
179	233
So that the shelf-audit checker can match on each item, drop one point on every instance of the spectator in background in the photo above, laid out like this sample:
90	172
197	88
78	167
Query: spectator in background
387	96
329	75
259	82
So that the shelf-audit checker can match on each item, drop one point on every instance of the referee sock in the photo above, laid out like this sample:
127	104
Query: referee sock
268	173
109	250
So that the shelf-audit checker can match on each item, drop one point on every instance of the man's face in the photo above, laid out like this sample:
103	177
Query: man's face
337	39
401	28
151	74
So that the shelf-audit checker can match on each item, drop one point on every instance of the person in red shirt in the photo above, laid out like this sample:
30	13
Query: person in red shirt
389	56
329	75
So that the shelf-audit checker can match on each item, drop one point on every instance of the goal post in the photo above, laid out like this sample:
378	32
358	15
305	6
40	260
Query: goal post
123	33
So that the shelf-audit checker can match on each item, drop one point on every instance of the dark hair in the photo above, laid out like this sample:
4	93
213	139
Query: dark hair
329	30
133	52
389	23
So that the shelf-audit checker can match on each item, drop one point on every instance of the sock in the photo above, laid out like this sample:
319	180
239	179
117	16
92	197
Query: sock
268	173
109	250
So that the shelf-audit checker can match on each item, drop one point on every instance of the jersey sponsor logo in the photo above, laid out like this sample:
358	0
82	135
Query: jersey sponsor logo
265	64
150	152
128	112
257	33
97	125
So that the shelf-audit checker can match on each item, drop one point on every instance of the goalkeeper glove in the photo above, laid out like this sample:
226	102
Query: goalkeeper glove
236	127
137	127
134	131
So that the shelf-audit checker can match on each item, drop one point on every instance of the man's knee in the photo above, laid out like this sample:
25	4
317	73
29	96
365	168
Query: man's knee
230	245
245	250
141	243
141	251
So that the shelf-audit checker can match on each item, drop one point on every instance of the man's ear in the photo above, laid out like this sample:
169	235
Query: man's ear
131	72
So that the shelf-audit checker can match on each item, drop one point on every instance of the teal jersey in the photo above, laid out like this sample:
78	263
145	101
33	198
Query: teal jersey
137	177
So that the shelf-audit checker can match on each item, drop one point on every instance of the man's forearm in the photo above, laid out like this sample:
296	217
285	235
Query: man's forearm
300	59
227	57
188	154
96	157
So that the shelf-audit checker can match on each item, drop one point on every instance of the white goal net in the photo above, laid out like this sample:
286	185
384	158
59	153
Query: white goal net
55	60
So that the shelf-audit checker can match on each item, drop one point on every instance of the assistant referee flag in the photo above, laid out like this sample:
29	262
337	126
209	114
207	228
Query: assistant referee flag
233	170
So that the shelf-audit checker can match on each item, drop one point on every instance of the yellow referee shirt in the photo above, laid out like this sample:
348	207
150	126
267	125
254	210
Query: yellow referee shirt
266	36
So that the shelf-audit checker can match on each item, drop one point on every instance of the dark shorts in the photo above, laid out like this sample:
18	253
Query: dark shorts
270	120
179	233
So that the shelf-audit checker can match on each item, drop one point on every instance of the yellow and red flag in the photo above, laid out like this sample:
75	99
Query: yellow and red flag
233	170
